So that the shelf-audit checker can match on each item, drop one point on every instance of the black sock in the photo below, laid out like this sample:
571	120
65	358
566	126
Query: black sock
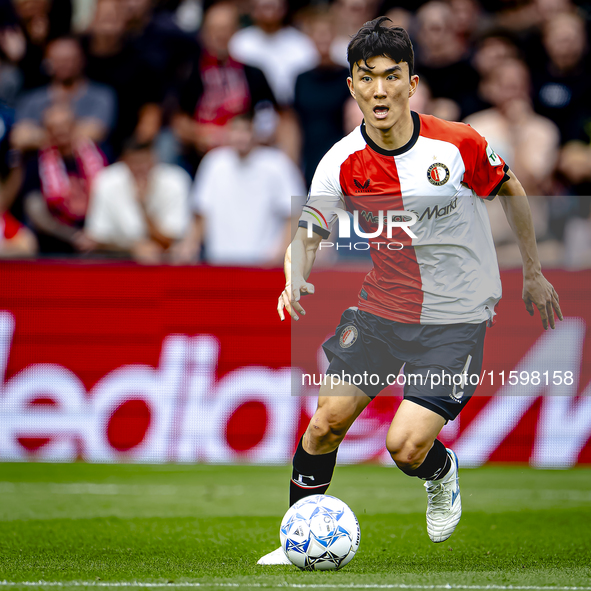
311	474
435	466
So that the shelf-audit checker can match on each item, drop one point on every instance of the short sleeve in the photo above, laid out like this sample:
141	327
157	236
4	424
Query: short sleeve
324	198
173	201
98	223
204	186
485	170
288	182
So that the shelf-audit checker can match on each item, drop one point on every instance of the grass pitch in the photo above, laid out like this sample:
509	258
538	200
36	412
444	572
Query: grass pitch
70	526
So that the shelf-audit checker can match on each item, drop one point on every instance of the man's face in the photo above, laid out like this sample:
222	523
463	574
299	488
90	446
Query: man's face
382	89
65	60
220	24
436	25
108	20
136	10
268	12
565	41
59	123
241	136
491	53
322	34
509	82
140	163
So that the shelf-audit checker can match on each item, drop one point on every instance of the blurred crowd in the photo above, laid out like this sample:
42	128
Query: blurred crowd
179	130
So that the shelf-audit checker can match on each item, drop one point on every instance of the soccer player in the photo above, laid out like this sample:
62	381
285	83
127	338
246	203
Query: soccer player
426	305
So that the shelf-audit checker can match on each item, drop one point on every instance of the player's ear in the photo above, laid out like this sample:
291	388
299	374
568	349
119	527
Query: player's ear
350	85
414	82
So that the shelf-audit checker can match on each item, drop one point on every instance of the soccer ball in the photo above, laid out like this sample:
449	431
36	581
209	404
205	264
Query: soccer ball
320	532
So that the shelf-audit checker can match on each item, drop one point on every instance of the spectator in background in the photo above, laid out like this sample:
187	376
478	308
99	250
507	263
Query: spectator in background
574	169
10	173
39	21
468	20
11	77
138	206
563	88
441	57
320	97
93	104
574	225
6	122
16	240
528	21
158	39
527	141
530	16
529	144
348	17
242	202
492	49
280	51
218	88
401	18
58	183
423	102
112	61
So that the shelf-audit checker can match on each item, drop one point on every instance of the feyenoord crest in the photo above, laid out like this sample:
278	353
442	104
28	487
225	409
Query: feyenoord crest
348	336
438	174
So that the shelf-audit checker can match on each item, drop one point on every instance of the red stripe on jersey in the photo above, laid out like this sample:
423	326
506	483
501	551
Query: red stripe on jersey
393	287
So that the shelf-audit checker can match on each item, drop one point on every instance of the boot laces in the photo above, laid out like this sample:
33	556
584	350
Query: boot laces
439	494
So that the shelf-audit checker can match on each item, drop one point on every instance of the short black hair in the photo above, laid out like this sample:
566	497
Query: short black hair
373	39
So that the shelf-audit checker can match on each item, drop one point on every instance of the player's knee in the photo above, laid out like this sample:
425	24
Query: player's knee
407	455
328	427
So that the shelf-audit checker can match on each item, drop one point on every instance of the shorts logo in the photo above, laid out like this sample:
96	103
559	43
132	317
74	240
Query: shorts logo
457	396
438	174
348	336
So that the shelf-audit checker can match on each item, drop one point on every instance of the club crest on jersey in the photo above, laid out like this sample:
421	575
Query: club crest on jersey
438	174
348	336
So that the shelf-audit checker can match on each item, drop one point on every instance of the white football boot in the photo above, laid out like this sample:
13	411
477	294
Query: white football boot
276	557
444	507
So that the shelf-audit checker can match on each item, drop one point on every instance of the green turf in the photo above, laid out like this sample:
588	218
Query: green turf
209	524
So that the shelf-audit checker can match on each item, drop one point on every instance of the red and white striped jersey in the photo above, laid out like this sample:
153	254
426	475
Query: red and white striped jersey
447	274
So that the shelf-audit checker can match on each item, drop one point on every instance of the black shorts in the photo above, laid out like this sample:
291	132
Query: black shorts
442	362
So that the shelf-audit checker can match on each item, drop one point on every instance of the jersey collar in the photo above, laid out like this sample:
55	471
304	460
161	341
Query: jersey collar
410	144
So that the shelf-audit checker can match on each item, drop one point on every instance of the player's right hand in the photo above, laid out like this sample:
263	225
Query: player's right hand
290	299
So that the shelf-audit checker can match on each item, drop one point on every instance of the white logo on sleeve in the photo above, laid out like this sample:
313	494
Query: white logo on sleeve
492	156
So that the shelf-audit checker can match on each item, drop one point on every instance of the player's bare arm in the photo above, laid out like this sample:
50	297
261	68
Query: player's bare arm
299	259
537	291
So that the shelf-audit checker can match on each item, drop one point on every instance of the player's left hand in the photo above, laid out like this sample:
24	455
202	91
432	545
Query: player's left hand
290	298
538	292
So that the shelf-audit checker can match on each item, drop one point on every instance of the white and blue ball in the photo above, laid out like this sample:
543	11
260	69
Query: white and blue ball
320	532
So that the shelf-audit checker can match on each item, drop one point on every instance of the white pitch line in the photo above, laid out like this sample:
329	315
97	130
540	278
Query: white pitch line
140	584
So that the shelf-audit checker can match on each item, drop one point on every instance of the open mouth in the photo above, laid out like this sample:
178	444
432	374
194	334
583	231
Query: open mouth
380	111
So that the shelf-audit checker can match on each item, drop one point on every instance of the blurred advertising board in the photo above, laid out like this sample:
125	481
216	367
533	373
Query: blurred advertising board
124	363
